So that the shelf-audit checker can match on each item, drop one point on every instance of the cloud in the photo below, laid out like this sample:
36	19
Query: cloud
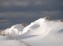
37	14
1	21
21	3
30	5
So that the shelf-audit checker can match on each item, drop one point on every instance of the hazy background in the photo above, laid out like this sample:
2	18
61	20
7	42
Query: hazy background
25	11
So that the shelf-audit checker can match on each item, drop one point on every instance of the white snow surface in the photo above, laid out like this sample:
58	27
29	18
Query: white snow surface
41	32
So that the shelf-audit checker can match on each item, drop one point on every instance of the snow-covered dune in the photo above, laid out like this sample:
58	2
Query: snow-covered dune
41	32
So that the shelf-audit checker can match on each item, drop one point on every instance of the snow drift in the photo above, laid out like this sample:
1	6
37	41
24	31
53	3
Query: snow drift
41	28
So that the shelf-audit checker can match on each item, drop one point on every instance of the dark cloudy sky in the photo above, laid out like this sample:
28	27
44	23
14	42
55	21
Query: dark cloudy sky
26	11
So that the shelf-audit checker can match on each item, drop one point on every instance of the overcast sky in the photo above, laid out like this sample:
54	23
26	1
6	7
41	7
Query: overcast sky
26	11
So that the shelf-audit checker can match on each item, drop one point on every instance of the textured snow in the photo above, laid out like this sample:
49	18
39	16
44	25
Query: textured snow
41	32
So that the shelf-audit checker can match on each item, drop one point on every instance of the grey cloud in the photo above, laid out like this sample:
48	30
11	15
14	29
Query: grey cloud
31	5
20	2
31	1
3	21
37	14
